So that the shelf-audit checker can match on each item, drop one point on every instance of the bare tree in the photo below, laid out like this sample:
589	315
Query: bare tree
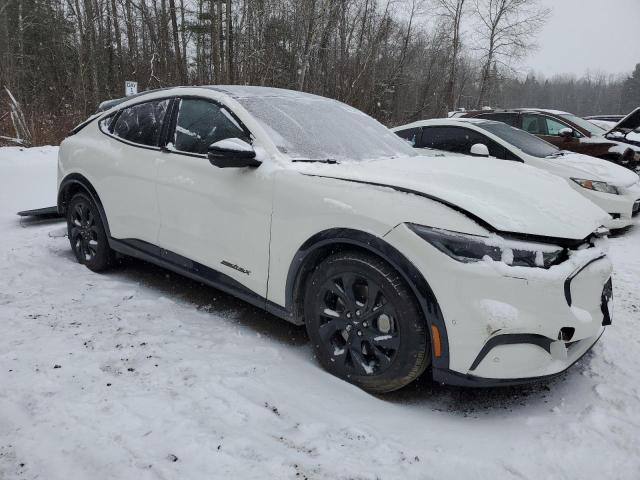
505	32
451	12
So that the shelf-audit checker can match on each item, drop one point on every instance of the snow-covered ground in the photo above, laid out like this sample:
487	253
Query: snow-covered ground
140	374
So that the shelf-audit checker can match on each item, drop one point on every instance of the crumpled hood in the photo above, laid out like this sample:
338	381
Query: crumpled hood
509	196
630	122
577	165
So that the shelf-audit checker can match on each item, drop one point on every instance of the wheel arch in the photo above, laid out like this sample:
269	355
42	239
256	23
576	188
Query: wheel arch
328	242
75	183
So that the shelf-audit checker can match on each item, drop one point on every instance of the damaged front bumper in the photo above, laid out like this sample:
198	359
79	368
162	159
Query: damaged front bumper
509	325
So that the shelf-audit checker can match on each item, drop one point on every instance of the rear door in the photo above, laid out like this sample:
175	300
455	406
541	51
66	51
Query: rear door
218	217
131	155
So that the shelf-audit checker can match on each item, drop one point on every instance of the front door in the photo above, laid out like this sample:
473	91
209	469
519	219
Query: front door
548	129
218	217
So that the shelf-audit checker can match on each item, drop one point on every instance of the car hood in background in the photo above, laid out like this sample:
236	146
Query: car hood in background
509	196
628	123
591	168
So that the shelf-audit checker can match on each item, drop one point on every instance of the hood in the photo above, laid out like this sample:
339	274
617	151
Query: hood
628	123
510	197
590	168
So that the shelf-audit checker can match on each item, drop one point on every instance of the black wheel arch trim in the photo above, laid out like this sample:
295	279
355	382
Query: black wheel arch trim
377	246
85	184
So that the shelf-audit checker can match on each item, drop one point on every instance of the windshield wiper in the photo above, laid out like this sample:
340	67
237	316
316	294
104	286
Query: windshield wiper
331	161
559	153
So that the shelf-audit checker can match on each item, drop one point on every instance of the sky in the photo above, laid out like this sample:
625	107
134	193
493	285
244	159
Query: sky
581	35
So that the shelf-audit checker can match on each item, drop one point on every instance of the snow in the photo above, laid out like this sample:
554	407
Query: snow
340	132
160	377
497	192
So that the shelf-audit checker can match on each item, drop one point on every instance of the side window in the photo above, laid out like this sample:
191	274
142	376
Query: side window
410	135
508	118
449	139
201	123
142	123
460	140
534	124
554	127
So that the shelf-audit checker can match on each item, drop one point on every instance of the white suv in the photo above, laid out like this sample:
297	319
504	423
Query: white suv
315	212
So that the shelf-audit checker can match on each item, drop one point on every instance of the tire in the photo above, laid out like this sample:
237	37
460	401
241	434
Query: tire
364	323
87	235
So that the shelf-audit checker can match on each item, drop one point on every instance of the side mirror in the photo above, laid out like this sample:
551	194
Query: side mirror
232	153
566	132
479	150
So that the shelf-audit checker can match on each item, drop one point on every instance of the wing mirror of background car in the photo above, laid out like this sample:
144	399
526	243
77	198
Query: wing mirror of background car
566	132
479	150
232	153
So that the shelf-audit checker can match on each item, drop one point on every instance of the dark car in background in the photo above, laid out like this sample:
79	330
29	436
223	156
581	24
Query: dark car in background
568	132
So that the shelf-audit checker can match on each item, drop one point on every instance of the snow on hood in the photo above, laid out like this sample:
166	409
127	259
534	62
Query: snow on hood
591	168
511	197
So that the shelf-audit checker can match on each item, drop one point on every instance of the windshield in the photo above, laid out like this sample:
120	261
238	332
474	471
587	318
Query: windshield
529	144
315	128
582	123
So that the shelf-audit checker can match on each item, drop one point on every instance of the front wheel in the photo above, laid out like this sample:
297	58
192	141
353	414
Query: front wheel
87	234
364	322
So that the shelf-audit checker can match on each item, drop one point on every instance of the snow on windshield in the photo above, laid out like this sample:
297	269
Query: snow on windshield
315	128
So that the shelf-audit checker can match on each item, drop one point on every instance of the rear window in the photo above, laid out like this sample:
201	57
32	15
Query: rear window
142	123
508	118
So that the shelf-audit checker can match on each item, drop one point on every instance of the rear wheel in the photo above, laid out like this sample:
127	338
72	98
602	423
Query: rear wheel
364	322
87	235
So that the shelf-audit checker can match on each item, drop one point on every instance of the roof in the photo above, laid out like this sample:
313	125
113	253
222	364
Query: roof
542	110
445	122
234	91
246	91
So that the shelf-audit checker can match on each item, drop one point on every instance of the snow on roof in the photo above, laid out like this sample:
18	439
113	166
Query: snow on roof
444	122
245	91
545	110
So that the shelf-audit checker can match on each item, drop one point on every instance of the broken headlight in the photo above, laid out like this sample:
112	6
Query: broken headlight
474	248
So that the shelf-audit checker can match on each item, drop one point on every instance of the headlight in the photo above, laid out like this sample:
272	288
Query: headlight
473	248
603	187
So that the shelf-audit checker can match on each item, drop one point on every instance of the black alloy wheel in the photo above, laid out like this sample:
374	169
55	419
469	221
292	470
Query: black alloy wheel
364	322
87	235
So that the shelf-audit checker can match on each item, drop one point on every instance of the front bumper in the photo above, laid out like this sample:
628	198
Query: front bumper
619	207
508	325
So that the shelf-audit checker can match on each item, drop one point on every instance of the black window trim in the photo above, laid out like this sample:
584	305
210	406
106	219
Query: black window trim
116	115
173	121
484	133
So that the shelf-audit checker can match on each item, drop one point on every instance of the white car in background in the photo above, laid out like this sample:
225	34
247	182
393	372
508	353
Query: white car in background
315	212
613	188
